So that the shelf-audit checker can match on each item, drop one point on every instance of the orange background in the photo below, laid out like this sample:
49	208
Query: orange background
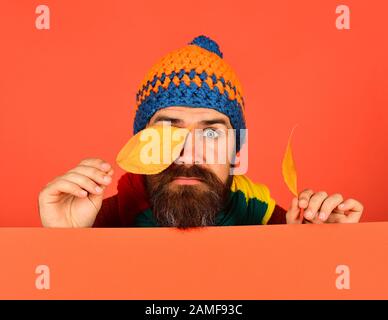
69	92
250	262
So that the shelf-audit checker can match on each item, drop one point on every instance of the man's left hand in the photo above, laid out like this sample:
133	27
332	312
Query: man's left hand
319	207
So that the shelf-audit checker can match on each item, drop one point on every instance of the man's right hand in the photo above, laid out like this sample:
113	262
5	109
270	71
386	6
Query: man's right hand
74	199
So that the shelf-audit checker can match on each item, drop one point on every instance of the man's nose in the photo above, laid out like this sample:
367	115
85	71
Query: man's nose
191	152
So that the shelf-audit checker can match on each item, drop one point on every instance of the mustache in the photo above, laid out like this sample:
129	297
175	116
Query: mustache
194	171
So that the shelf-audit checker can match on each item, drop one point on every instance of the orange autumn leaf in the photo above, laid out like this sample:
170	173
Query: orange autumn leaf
152	150
289	169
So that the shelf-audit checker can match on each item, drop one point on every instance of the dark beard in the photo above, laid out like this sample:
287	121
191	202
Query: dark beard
186	206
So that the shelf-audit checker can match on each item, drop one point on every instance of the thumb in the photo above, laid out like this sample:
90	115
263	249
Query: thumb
293	212
96	199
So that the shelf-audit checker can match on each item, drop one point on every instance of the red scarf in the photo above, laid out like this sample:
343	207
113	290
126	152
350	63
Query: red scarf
132	197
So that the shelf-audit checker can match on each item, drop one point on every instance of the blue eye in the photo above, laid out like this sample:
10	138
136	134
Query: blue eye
210	133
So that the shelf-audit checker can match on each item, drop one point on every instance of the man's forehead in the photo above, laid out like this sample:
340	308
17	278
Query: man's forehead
192	114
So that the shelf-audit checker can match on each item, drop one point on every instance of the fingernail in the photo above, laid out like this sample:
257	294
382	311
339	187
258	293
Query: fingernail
107	179
341	206
98	189
308	214
83	193
322	216
105	166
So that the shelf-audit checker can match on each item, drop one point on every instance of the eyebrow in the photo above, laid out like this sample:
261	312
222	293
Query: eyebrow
215	121
203	122
166	118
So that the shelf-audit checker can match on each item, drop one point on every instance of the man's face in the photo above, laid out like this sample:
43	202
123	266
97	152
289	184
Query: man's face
187	194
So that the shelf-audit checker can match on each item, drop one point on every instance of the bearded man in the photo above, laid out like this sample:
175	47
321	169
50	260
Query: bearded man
192	87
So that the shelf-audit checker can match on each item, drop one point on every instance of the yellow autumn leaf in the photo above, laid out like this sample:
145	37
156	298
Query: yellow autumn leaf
289	169
152	149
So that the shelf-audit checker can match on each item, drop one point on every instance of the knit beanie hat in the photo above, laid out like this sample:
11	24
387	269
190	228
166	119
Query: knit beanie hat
193	76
